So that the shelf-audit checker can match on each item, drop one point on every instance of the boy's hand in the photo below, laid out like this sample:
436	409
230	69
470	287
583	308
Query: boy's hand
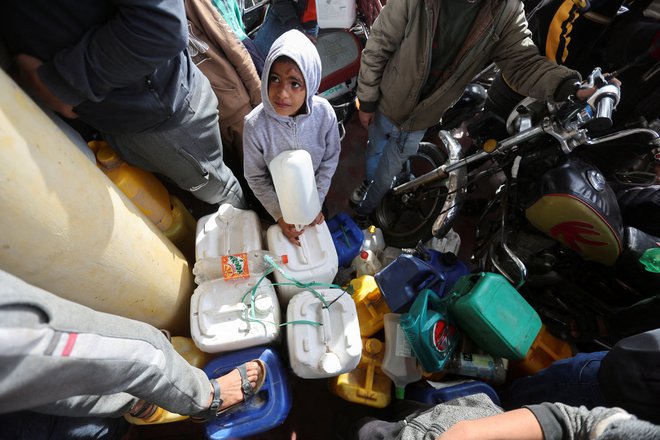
289	231
318	220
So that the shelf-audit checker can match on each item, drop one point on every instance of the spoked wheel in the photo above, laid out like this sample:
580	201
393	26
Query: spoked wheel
407	218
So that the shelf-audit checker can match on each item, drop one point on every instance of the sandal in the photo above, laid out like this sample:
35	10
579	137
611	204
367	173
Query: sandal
246	386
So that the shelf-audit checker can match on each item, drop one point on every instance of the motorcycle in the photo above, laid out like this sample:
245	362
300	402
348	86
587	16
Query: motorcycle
554	227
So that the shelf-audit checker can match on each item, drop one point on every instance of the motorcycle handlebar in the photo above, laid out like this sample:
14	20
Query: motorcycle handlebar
603	101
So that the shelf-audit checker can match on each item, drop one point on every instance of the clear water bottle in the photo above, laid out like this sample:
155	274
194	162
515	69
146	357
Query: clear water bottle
480	366
247	264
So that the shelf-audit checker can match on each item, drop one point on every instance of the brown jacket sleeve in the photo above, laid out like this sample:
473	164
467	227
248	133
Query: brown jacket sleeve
226	62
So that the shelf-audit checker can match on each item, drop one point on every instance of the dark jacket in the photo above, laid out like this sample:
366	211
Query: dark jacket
122	64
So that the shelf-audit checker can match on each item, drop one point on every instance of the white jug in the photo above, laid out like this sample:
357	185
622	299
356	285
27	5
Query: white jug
295	185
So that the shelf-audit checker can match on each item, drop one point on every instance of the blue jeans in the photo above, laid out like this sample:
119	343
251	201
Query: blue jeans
189	153
27	425
388	149
572	381
273	27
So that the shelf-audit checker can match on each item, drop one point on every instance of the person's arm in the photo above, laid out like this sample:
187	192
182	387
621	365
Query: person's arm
256	171
386	36
519	424
553	421
140	37
528	72
330	159
216	28
53	350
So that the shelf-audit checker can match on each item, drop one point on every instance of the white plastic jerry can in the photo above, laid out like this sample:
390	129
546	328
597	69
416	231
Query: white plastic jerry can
295	185
228	231
329	349
314	260
227	315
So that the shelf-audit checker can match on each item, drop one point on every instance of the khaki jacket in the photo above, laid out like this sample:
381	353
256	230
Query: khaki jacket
223	59
397	56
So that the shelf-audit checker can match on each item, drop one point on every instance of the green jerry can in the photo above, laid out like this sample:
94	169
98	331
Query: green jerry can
492	312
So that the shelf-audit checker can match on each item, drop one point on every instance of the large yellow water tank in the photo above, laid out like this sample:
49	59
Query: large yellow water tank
67	228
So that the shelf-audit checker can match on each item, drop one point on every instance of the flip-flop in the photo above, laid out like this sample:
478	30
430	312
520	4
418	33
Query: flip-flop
246	386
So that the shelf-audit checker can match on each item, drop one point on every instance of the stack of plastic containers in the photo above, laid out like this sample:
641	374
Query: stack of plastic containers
315	260
266	410
367	384
346	236
323	336
228	313
404	278
370	305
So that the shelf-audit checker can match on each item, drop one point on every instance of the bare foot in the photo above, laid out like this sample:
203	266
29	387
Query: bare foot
230	384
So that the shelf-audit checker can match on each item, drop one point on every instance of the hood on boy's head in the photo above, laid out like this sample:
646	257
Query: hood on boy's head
295	45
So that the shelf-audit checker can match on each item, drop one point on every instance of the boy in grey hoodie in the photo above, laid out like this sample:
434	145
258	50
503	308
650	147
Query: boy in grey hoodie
290	117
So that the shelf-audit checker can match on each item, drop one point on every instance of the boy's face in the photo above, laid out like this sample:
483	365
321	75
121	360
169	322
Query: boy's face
286	88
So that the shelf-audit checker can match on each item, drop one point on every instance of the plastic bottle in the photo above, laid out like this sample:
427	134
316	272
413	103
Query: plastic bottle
399	363
143	188
481	366
247	264
182	230
373	240
366	263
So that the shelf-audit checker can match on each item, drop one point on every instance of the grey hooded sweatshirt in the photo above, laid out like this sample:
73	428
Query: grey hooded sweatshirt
267	134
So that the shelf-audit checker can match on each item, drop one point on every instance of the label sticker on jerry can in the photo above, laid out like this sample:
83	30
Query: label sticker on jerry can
443	336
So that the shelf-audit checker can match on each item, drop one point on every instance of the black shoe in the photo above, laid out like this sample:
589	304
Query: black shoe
358	194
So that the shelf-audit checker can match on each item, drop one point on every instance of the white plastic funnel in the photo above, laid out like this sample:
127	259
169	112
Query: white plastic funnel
295	185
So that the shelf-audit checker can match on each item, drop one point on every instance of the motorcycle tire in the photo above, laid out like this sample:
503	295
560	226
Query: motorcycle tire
406	219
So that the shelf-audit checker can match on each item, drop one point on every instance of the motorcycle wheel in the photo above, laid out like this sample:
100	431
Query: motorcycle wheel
407	218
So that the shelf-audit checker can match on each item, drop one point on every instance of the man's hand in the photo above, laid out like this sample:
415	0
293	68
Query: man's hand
29	78
290	231
366	118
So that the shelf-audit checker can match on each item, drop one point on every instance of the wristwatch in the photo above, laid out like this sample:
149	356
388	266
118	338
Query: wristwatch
216	403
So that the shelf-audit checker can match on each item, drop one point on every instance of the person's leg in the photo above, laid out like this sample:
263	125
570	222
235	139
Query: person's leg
189	153
390	149
271	28
573	381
